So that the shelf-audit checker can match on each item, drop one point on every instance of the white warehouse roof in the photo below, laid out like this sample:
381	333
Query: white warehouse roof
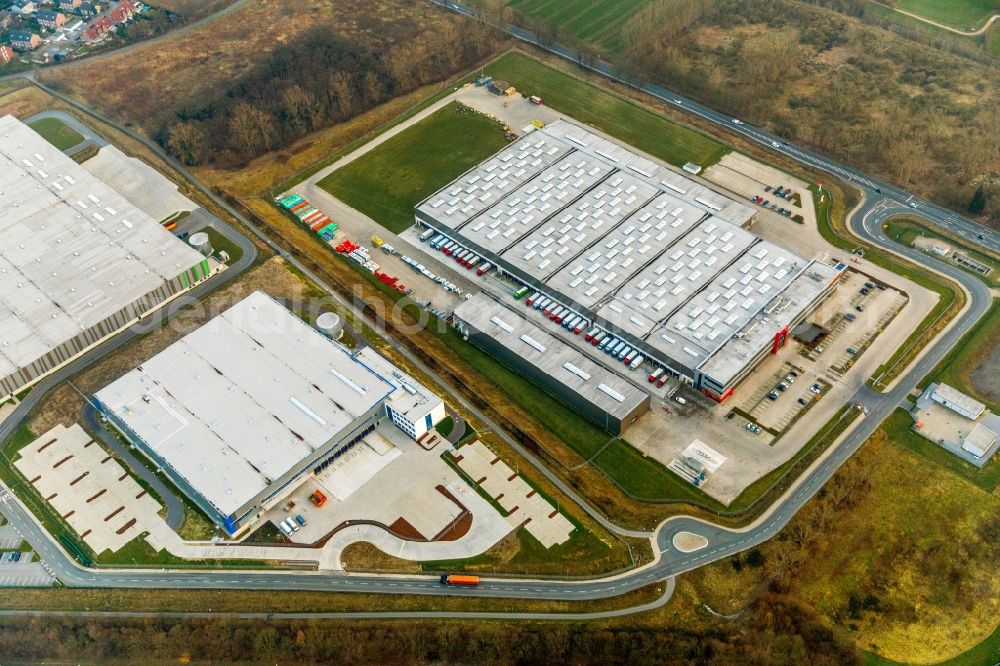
968	404
73	251
240	401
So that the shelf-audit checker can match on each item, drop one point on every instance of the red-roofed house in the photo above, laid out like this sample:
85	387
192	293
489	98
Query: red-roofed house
119	14
6	54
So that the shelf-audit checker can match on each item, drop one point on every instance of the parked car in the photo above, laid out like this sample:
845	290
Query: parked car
789	379
816	388
782	386
803	401
852	351
859	308
773	395
849	317
730	415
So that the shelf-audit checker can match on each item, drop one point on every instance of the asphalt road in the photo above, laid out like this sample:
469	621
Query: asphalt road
929	210
866	222
173	503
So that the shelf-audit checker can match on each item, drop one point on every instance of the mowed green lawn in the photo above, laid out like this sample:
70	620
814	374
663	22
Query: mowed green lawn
625	120
962	14
390	180
58	133
599	22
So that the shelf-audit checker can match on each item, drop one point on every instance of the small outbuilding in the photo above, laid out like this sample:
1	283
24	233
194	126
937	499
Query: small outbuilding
501	87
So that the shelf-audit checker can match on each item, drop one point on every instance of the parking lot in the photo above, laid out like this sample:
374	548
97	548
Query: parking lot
542	520
97	497
18	567
23	572
758	184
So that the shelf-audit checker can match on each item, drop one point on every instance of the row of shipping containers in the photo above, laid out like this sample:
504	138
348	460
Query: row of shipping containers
318	221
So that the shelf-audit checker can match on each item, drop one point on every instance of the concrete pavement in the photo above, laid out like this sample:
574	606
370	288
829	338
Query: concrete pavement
721	542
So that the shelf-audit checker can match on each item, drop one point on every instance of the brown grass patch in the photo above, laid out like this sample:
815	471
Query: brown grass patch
272	277
363	556
187	70
61	406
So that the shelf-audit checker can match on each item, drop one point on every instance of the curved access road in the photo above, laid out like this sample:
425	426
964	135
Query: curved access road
924	19
722	542
939	215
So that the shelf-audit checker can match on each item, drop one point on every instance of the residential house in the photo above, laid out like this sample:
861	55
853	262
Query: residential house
115	16
69	5
22	40
23	7
88	9
50	19
5	19
6	54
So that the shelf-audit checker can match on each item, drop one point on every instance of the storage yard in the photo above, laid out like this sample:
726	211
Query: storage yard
78	261
479	263
651	262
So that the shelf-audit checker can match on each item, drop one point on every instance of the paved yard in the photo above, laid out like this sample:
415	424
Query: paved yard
89	489
142	185
390	481
542	520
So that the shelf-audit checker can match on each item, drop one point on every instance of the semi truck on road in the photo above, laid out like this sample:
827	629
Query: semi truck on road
468	581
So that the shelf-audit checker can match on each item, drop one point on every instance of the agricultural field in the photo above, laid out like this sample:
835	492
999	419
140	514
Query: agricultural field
58	133
387	182
965	15
599	22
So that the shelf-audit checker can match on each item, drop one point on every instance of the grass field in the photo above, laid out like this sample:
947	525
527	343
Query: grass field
58	133
899	427
965	15
222	244
598	22
388	181
625	120
968	355
905	231
894	551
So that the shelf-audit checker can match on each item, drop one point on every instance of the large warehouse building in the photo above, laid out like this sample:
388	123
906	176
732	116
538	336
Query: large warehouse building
638	251
599	394
242	409
77	261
